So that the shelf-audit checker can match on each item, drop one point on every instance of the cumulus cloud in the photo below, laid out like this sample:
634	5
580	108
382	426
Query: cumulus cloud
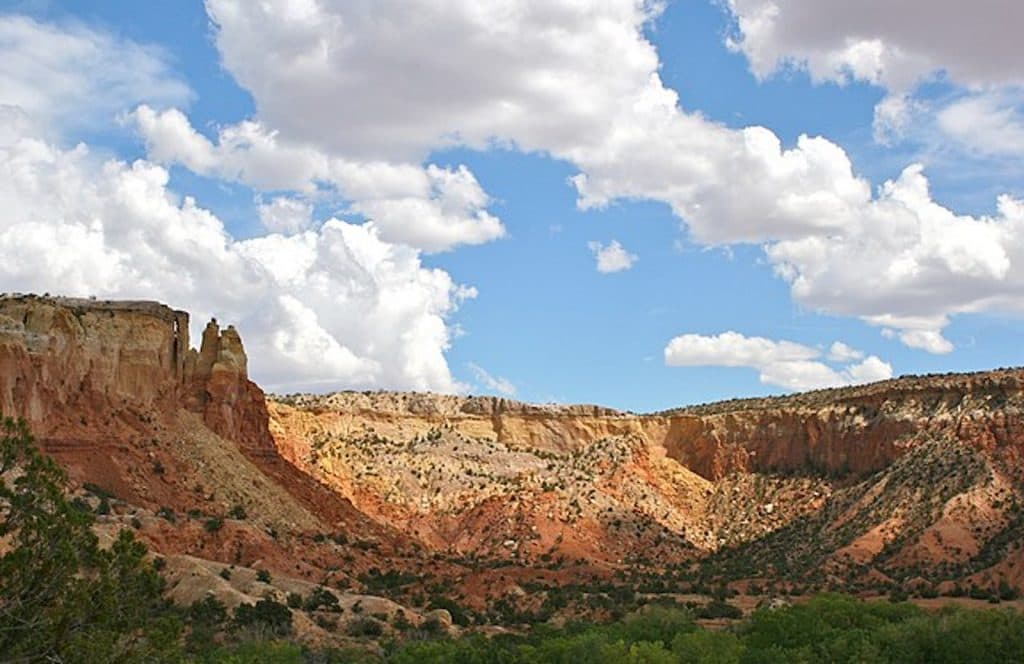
892	44
352	97
896	46
786	364
74	76
893	116
840	352
322	305
431	208
929	340
491	383
579	80
538	75
987	123
612	257
909	263
286	215
335	306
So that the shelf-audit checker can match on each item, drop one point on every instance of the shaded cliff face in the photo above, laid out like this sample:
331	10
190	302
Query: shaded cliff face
857	430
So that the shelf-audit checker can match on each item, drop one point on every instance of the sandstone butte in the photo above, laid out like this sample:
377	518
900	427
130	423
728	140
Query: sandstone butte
908	483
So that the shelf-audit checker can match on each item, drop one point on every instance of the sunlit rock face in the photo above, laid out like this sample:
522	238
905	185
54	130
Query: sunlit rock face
73	368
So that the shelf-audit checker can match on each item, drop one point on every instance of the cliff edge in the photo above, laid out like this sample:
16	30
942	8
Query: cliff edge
84	370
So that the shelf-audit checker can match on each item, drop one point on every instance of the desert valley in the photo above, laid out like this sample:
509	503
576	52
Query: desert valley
482	513
511	332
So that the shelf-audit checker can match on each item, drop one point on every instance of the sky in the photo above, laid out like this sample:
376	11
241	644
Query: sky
634	203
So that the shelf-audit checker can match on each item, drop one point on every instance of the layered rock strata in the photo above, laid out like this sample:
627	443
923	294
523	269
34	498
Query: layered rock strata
71	366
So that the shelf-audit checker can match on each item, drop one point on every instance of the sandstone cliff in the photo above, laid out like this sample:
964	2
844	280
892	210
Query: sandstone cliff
220	389
840	432
901	475
915	478
114	392
71	367
64	362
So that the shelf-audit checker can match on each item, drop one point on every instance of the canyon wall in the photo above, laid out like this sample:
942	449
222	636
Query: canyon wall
93	371
840	432
80	369
114	391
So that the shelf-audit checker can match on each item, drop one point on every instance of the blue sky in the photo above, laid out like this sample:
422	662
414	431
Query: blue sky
498	290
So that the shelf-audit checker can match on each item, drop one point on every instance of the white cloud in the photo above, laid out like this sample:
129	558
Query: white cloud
897	46
338	305
324	308
929	340
75	76
783	363
432	208
893	116
987	123
840	352
908	263
393	79
579	80
353	96
612	257
286	215
893	44
492	383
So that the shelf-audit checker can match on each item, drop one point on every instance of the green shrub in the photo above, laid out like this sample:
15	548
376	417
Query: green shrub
364	626
265	618
321	598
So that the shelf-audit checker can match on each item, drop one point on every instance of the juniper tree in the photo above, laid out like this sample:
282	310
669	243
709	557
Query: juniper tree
63	597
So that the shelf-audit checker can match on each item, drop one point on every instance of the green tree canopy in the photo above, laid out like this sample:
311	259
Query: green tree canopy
63	597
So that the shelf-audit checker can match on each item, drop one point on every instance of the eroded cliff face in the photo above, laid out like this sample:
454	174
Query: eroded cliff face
173	444
892	476
839	432
219	388
67	364
915	471
113	391
90	370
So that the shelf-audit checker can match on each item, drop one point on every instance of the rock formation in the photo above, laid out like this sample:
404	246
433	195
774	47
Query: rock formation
109	388
66	365
899	474
866	487
840	432
231	405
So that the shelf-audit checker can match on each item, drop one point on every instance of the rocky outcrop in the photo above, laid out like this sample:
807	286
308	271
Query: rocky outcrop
174	438
910	477
851	431
231	405
910	472
98	370
67	364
